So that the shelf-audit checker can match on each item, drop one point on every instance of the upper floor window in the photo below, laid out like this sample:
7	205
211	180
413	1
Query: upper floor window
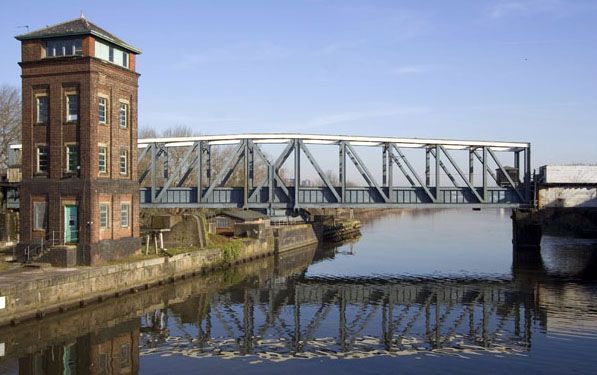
123	161
103	159
64	47
112	54
72	107
123	115
42	109
42	159
72	158
103	110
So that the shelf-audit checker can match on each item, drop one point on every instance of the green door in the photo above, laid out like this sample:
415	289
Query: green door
71	224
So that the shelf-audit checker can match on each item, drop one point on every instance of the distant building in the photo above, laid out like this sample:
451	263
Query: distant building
224	222
79	180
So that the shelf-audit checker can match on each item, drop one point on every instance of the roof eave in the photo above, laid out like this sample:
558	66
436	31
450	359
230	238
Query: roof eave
120	44
92	32
32	37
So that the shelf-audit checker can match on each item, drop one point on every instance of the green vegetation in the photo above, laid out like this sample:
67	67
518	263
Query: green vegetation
231	250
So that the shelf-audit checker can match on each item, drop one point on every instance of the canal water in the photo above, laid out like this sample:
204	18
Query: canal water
420	291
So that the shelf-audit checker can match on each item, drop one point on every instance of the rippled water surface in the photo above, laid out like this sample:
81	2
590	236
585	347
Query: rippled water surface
421	291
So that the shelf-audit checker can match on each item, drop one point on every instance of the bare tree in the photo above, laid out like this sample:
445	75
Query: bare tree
10	120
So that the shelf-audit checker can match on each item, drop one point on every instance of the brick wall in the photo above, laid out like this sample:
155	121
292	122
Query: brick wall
88	77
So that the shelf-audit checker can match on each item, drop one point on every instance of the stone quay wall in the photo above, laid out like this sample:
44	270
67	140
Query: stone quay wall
59	289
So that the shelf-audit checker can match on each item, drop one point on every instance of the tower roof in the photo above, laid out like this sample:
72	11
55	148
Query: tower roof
78	26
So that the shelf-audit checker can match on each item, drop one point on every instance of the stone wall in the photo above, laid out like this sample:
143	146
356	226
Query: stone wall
57	289
294	236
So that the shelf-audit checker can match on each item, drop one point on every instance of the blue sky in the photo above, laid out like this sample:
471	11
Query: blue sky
521	70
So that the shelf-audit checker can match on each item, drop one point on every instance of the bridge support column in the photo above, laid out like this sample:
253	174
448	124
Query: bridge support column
526	230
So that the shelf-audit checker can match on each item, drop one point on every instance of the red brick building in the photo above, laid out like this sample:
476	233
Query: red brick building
79	133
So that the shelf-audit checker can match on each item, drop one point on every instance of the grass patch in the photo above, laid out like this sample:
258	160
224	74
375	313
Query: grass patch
230	247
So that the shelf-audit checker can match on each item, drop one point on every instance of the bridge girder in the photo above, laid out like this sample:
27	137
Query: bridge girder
274	191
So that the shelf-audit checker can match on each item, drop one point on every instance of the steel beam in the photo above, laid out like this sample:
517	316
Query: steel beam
319	171
446	170
356	160
485	166
384	165
297	173
342	171
527	175
225	169
177	170
501	167
414	173
428	166
437	174
466	181
489	171
471	166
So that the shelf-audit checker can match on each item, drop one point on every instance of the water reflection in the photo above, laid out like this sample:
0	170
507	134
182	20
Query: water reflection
279	309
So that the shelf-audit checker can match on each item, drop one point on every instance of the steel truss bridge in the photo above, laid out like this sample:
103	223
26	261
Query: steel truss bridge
341	316
180	172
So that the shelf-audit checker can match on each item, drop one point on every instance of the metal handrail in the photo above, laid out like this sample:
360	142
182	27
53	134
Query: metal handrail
45	243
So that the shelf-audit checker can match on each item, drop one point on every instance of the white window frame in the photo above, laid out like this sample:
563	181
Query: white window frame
126	114
71	117
106	155
38	157
37	108
124	154
67	166
106	207
36	218
106	106
125	214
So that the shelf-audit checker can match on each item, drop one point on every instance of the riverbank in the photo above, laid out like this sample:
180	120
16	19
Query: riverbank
34	292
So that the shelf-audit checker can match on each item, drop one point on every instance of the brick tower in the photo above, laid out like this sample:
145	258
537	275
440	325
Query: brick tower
79	194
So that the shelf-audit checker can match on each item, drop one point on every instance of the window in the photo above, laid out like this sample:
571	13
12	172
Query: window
42	109
72	107
103	110
123	115
40	215
221	222
124	161
124	215
64	47
103	159
104	212
42	159
112	54
72	158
